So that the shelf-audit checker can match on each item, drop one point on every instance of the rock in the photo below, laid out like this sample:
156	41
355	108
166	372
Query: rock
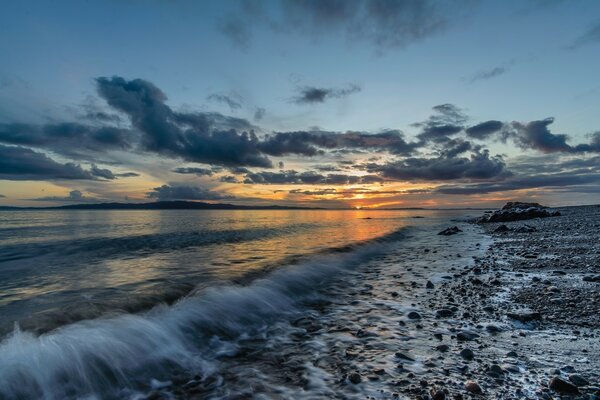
438	395
473	387
450	231
493	328
429	285
496	369
466	336
525	317
561	386
511	205
591	278
516	211
414	315
404	356
467	354
578	380
355	378
444	313
443	348
525	229
501	228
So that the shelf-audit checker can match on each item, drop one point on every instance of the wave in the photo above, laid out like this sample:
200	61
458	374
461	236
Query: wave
100	246
101	357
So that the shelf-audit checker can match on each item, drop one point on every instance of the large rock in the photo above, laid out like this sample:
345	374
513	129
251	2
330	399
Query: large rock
450	231
517	211
561	386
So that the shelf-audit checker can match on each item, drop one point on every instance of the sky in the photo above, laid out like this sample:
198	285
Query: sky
325	103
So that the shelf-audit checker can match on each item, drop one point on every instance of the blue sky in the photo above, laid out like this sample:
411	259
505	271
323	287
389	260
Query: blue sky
513	61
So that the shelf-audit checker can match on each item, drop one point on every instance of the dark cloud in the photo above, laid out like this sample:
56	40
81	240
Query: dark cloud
127	175
526	182
228	179
536	135
488	74
102	172
590	36
311	95
68	138
233	104
200	137
183	192
447	120
20	163
383	23
195	171
259	114
306	178
2	196
238	170
484	130
74	196
479	166
311	143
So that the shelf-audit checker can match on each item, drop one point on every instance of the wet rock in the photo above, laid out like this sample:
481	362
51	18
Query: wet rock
443	348
414	315
466	336
525	317
467	354
501	229
591	278
493	328
450	231
578	380
404	356
429	285
438	394
355	378
473	387
444	313
561	386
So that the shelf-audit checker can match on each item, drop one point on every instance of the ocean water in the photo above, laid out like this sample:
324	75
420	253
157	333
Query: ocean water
120	304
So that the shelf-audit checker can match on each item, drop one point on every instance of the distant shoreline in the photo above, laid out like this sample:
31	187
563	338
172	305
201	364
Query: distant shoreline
194	205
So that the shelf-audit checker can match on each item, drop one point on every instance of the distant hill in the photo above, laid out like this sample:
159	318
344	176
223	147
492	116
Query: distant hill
160	205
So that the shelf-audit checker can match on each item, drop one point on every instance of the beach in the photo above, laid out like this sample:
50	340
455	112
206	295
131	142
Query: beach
400	311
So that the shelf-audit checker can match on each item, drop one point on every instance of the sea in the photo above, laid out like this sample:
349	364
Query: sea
99	304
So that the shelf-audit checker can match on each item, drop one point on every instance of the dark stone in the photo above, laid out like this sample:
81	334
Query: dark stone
444	313
414	315
578	380
467	354
525	317
450	231
355	378
561	386
473	387
429	285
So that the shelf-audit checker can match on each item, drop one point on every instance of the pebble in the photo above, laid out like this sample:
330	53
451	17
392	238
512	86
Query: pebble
473	387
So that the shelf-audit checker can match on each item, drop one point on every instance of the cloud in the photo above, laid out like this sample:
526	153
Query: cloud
259	114
195	171
590	36
127	175
183	192
312	95
228	179
74	196
102	172
384	24
536	135
526	182
67	138
447	120
484	130
232	103
306	178
311	143
2	196
478	166
200	137
488	74
20	163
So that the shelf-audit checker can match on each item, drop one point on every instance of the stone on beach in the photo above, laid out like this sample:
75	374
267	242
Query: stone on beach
450	231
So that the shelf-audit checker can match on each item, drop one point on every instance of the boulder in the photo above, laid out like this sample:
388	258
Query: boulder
450	231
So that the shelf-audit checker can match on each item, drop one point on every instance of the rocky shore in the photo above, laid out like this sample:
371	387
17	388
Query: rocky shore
477	312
